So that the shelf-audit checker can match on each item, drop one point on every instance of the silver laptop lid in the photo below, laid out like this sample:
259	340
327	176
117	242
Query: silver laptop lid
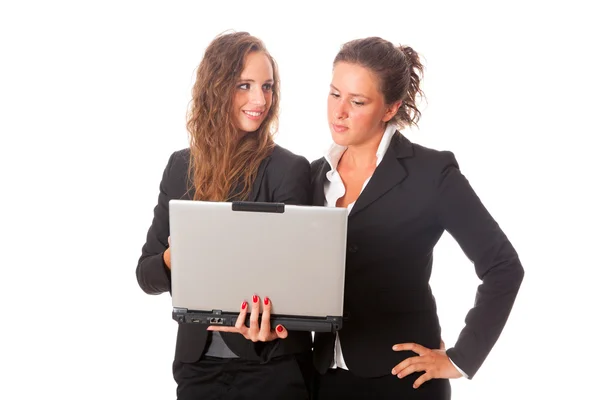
220	257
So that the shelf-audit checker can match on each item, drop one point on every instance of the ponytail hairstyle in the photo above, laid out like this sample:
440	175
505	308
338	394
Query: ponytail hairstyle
398	69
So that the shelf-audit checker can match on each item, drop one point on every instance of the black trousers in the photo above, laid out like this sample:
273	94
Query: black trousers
342	384
285	377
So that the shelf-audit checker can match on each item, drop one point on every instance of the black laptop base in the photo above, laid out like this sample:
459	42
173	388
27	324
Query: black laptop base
291	322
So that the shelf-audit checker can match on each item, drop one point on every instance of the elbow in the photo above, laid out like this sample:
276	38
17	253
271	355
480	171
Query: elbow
517	272
143	282
512	274
507	274
521	273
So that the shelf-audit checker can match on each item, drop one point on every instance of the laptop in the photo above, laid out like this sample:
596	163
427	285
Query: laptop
225	252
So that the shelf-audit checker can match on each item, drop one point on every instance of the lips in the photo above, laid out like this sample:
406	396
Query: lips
253	114
339	128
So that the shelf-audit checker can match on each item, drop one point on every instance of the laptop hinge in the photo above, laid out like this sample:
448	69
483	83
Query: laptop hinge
258	207
336	322
179	314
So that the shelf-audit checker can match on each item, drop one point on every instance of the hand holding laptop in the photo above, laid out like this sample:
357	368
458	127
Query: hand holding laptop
264	333
167	254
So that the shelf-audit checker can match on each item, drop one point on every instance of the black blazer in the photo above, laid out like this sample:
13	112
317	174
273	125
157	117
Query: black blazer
282	177
414	195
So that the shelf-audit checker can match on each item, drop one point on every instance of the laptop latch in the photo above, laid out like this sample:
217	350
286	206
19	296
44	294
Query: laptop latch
258	207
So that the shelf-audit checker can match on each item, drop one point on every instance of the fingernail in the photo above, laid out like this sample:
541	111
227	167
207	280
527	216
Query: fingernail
393	372
244	304
266	301
279	328
254	298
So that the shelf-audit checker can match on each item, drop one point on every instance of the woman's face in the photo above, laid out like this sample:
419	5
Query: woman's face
356	109
253	93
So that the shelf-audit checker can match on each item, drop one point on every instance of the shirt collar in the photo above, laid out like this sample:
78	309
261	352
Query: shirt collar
335	151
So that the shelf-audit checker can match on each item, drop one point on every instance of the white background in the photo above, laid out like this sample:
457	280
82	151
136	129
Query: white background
92	103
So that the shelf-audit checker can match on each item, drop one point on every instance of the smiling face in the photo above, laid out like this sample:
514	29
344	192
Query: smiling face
356	109
253	93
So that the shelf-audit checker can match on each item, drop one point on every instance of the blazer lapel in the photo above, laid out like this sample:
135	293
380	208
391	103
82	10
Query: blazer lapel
319	183
388	173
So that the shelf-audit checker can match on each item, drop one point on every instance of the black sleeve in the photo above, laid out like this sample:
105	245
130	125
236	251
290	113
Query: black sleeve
497	264
152	274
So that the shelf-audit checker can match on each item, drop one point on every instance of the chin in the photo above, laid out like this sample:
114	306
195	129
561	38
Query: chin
340	139
251	128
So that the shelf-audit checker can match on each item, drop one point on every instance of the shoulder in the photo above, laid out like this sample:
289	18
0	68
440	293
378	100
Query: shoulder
176	172
284	165
287	177
426	158
178	160
181	157
283	155
283	160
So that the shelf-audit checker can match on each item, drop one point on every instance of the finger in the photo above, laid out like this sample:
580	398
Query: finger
167	257
417	367
422	379
417	348
240	322
254	317
407	362
278	333
230	329
265	322
281	332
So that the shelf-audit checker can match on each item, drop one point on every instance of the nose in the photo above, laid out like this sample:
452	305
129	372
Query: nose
257	97
340	111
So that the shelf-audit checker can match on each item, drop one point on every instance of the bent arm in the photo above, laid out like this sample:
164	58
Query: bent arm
153	276
496	262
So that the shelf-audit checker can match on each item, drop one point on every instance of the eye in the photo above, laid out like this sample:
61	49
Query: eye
358	103
244	86
334	94
268	87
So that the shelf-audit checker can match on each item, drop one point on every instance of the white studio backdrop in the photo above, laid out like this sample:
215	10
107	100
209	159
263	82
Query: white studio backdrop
92	103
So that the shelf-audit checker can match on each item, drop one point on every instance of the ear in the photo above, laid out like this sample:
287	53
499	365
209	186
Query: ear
391	110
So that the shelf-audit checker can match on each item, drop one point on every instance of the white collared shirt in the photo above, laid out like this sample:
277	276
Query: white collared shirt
334	189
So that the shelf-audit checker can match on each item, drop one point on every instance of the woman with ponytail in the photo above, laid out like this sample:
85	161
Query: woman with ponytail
401	198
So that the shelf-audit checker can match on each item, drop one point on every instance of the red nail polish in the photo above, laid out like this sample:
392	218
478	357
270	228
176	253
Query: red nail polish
279	328
254	298
266	301
244	304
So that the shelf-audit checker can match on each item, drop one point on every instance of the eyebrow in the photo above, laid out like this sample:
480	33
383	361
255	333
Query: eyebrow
252	80
351	94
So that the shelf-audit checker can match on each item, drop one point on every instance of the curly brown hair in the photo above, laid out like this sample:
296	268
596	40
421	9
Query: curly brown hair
219	159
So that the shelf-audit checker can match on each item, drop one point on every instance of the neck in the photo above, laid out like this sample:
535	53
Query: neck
363	155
